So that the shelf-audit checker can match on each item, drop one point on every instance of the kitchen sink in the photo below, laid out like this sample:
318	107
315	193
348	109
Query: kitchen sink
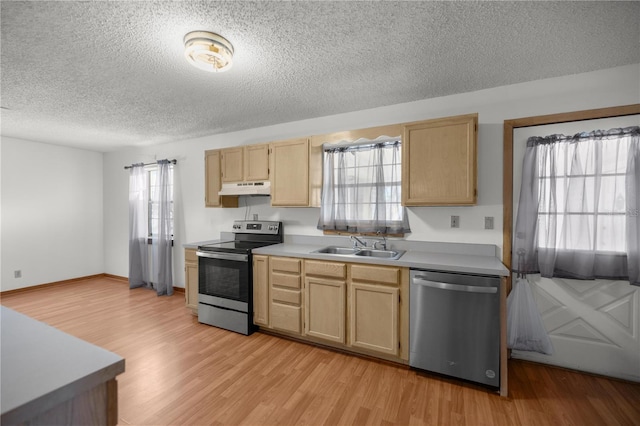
384	254
337	250
361	252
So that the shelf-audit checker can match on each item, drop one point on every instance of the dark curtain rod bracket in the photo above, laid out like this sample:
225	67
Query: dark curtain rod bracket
174	161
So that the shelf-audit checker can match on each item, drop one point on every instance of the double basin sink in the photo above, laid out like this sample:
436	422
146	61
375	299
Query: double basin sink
361	252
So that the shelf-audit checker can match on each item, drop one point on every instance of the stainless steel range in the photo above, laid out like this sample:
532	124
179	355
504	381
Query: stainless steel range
225	275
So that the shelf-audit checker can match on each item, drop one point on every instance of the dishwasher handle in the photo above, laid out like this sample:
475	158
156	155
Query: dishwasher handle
418	280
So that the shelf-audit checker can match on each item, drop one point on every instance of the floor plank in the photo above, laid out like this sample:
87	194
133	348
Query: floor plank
181	372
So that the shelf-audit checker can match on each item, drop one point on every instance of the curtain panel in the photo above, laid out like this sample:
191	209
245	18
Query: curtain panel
162	242
578	209
138	233
361	189
150	218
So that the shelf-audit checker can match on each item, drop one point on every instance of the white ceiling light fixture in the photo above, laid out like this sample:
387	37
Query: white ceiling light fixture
208	51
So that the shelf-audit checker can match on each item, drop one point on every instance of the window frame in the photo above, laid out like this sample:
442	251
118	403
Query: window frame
151	171
367	145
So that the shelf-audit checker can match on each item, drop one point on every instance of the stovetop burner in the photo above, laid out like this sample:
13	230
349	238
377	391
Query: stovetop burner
248	235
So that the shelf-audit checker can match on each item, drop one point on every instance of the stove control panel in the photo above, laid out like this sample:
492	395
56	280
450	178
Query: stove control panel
257	227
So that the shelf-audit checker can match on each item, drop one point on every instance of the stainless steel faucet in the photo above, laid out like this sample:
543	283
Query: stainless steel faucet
382	241
355	240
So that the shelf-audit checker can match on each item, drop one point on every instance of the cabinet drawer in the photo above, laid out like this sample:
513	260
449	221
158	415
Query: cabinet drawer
285	296
377	274
190	256
325	269
285	280
285	317
285	264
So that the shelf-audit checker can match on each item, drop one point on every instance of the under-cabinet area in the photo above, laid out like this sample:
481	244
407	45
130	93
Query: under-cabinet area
356	307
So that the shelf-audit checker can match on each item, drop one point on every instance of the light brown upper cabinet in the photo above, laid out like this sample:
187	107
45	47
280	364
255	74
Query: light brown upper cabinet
290	173
245	163
212	182
439	162
232	164
256	162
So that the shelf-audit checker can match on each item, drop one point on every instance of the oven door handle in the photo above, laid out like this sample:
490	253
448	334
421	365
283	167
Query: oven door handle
223	256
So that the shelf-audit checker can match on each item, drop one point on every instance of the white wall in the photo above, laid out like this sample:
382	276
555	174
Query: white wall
194	222
52	213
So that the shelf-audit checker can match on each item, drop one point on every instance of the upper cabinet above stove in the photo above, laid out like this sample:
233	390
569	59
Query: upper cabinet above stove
248	163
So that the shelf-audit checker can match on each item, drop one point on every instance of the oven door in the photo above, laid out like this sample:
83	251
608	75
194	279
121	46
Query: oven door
223	275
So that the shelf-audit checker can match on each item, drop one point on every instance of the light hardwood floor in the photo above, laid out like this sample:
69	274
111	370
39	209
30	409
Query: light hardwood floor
180	372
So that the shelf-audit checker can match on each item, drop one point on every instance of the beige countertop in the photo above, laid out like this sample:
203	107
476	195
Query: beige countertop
412	258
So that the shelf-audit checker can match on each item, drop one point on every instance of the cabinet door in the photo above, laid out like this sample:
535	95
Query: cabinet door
374	318
232	165
439	162
213	183
191	279
325	309
261	290
290	173
256	162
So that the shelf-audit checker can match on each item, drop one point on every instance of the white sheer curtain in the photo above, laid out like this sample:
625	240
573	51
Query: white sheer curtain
162	242
361	190
579	203
151	219
138	232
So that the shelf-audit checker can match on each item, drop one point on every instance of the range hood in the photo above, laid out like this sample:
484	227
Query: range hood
246	188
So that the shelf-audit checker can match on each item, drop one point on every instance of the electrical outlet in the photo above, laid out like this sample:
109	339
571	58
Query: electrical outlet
17	274
455	221
488	222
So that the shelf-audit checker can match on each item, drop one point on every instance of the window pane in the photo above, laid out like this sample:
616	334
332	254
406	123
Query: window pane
580	194
612	194
611	232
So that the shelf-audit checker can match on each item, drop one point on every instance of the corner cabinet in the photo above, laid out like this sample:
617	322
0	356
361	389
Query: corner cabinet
439	162
191	279
290	173
213	182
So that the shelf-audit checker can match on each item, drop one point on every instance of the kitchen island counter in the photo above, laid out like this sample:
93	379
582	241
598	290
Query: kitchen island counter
50	377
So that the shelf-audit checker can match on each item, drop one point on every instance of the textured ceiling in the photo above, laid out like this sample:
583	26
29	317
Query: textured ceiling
109	75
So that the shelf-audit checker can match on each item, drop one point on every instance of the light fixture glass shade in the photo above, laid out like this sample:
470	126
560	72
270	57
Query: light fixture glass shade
208	51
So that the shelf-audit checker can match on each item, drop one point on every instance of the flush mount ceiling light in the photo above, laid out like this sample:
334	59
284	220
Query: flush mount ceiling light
208	51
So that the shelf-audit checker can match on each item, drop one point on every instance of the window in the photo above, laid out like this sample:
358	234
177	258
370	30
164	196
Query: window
362	188
578	209
582	191
153	182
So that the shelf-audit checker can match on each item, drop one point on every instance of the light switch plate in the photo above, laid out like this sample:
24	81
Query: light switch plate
455	221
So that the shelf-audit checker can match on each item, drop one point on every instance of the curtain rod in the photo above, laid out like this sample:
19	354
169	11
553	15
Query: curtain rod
174	161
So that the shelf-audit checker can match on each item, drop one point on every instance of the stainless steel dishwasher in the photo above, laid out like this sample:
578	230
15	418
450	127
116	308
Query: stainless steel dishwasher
454	325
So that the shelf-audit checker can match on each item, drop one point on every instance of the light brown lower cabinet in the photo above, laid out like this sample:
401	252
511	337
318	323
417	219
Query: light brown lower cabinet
285	299
356	307
324	302
374	318
191	279
261	290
